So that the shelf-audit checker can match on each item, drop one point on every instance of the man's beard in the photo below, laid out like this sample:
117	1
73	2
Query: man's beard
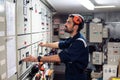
68	31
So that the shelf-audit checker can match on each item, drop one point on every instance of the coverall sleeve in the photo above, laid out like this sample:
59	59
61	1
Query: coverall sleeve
74	53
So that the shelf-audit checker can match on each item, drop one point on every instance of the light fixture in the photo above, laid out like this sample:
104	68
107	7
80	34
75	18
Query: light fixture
107	1
87	3
104	6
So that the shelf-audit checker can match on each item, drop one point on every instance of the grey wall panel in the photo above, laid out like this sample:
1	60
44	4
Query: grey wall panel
3	63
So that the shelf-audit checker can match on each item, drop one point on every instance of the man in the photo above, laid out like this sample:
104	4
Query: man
74	50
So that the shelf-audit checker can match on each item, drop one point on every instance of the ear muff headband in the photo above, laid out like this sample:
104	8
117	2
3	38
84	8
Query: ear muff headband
77	20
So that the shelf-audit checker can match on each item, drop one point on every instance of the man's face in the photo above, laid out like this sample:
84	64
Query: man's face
69	25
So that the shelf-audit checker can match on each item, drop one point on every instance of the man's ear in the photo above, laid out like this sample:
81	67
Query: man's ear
76	27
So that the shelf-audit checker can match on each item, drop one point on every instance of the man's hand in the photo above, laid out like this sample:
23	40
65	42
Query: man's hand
50	45
30	59
42	44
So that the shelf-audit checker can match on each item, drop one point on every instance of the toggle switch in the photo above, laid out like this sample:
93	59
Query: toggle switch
25	42
27	1
42	23
25	19
40	12
31	8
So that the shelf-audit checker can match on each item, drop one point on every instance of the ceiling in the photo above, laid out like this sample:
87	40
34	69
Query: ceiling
72	6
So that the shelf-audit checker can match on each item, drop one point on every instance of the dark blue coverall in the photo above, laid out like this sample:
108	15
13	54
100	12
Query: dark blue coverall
75	56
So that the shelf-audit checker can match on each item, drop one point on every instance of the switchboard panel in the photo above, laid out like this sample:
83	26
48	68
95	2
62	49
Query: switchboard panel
95	32
113	48
109	71
30	22
33	26
43	17
36	49
36	16
113	59
48	36
23	17
23	41
97	58
36	37
44	36
105	32
113	53
25	65
48	20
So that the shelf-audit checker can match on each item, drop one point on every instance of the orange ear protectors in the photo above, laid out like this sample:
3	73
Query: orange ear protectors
77	20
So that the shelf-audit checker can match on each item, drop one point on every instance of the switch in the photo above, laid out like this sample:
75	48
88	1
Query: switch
31	8
24	29
45	15
42	23
25	42
25	24
25	19
27	63
24	2
27	1
47	24
40	12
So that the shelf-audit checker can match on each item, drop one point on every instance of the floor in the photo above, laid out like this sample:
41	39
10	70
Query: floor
59	72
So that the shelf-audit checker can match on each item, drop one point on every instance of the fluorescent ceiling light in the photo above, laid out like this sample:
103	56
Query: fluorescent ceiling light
87	3
104	6
107	1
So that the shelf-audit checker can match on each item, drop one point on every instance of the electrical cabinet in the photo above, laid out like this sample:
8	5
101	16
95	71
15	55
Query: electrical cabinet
25	65
36	37
48	20
113	59
23	41
48	36
33	26
95	32
43	16
35	50
97	58
105	32
109	71
23	25
23	16
113	53
36	16
113	48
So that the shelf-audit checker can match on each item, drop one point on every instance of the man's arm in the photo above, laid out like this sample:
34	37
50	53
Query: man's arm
52	58
51	45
